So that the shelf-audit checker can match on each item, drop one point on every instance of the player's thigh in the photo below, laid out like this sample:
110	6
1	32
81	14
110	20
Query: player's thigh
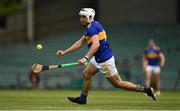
115	80
108	68
89	71
156	70
148	73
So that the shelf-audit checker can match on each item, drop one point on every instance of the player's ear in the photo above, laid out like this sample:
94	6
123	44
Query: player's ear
90	18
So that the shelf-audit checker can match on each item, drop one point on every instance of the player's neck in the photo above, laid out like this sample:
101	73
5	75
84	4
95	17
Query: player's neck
89	24
153	47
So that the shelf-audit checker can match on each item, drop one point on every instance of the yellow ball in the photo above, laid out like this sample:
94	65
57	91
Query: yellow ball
39	46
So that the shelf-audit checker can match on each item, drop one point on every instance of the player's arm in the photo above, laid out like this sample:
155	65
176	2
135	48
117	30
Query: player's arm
162	58
78	44
144	62
94	47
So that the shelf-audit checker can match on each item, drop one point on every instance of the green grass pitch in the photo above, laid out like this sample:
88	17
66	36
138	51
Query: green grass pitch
97	100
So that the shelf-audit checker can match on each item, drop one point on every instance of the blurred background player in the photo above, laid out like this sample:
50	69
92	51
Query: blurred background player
153	60
102	57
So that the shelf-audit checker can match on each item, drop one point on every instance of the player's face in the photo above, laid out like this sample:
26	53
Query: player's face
152	44
84	20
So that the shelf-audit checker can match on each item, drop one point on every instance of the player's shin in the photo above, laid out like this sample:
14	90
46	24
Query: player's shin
86	87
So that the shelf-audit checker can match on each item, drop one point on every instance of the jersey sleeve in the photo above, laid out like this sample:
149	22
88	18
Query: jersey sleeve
158	51
92	31
145	52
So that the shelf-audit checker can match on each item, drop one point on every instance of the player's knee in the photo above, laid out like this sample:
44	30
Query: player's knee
86	75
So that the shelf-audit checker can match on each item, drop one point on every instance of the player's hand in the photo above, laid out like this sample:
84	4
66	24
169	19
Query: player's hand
162	65
144	67
82	61
60	53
